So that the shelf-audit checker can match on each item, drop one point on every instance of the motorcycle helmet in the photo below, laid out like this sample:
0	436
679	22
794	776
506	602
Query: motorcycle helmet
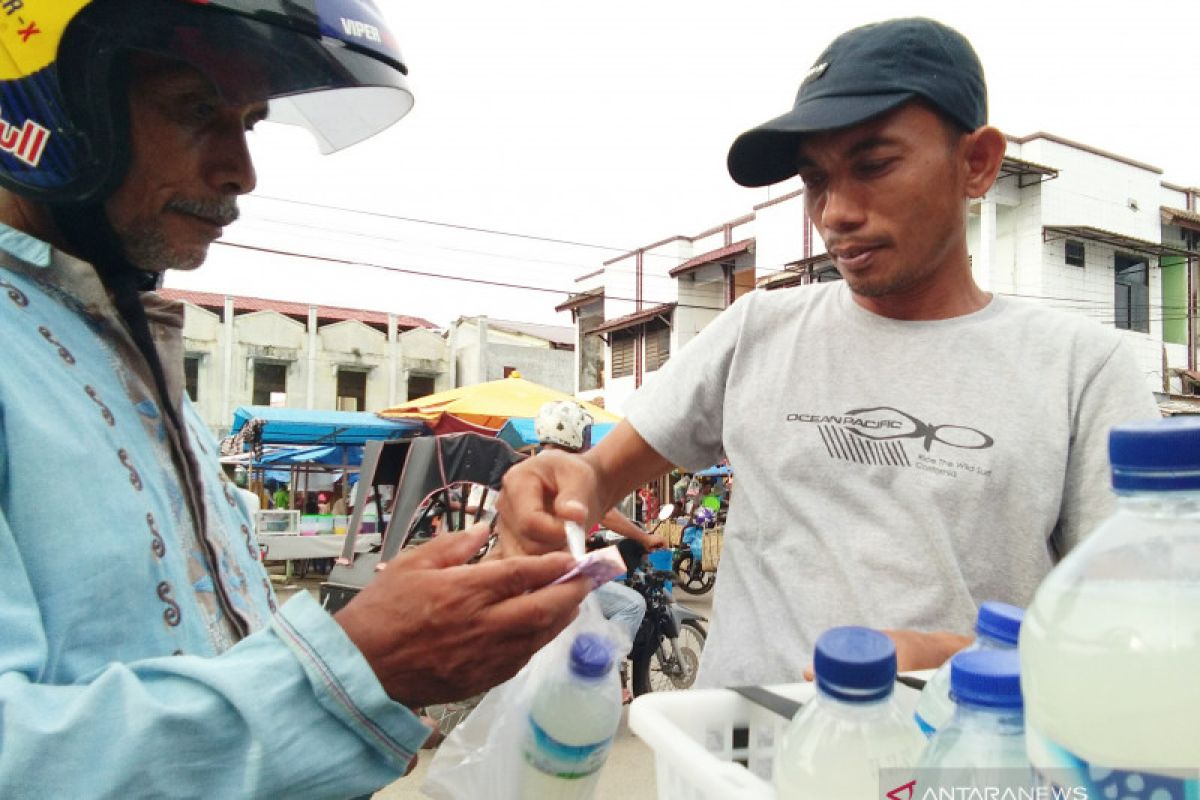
564	423
331	66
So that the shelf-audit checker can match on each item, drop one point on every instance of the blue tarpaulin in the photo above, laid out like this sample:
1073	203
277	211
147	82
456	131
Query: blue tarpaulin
310	427
518	432
333	456
713	472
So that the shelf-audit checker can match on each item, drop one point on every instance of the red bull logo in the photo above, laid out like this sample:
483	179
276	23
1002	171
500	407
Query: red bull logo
26	143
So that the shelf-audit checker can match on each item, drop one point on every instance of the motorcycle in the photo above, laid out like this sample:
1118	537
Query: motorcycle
688	559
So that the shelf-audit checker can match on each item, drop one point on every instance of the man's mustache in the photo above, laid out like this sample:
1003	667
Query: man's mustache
221	211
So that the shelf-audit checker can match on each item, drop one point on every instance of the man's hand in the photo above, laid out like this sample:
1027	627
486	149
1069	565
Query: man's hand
917	650
654	542
435	629
538	495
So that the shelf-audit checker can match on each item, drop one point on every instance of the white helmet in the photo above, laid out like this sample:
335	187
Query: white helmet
564	423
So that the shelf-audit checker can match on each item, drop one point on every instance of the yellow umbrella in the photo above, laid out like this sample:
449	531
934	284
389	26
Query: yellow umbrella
485	407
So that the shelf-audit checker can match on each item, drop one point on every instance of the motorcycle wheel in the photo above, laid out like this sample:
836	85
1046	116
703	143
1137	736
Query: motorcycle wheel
697	583
657	674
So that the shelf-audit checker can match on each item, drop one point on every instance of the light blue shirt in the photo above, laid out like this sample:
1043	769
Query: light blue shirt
141	652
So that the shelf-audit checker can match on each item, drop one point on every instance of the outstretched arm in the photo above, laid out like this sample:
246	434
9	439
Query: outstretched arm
541	492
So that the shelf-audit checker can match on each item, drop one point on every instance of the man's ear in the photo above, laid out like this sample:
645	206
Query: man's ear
983	152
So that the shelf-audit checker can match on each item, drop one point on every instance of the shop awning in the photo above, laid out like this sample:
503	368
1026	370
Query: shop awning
1116	240
485	407
304	426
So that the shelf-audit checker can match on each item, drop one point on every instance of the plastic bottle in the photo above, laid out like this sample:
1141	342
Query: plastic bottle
853	726
982	745
997	626
572	723
1110	647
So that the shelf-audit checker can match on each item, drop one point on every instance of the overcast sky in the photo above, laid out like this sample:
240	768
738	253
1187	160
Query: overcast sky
607	125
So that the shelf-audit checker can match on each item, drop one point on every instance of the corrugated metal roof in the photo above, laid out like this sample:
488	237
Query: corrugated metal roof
581	299
214	300
636	318
713	256
558	334
1113	239
1181	217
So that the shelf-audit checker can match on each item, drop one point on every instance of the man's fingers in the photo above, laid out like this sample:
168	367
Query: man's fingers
445	550
512	577
547	610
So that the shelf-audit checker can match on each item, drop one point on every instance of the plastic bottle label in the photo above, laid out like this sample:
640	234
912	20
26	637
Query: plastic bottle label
1059	769
550	756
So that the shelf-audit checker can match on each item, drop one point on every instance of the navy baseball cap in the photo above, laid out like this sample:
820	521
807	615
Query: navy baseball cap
866	72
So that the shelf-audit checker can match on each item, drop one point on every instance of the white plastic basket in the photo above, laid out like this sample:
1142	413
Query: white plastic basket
714	744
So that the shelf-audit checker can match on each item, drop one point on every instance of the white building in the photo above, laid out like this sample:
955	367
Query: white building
484	349
1065	224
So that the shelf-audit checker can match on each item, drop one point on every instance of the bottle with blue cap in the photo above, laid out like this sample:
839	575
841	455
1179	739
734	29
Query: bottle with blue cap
1110	646
982	746
572	722
836	745
997	626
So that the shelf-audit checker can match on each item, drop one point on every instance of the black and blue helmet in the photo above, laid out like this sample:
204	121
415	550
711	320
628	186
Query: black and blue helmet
331	66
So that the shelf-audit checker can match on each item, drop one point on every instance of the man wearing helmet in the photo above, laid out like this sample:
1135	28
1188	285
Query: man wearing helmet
144	655
971	458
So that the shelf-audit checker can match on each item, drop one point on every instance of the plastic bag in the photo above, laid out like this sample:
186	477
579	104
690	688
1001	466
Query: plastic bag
484	756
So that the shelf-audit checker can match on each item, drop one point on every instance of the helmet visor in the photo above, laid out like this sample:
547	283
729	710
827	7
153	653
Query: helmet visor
341	92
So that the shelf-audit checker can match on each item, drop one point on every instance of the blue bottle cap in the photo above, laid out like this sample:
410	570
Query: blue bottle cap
1160	455
989	678
591	655
999	621
855	664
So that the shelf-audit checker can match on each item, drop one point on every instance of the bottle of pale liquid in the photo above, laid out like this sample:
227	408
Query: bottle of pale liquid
572	723
1110	647
997	626
982	745
834	748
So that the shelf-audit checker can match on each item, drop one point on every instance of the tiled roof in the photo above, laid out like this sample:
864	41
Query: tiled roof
581	299
213	300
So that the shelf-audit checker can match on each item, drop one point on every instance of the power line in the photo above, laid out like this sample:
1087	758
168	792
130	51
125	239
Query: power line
1101	311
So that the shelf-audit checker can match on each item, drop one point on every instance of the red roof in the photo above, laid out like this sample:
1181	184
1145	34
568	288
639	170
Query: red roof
212	300
713	256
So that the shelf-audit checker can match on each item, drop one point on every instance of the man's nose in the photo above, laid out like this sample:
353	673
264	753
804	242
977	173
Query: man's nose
230	167
842	209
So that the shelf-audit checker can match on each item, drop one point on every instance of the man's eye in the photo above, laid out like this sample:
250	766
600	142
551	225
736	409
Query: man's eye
874	167
811	181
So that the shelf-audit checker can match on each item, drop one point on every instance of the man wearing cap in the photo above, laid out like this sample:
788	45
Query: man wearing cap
907	445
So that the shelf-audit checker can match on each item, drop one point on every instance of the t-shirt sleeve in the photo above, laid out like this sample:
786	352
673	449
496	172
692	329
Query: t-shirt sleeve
1115	393
680	410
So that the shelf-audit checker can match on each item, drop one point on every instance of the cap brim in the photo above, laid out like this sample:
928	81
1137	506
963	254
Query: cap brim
767	154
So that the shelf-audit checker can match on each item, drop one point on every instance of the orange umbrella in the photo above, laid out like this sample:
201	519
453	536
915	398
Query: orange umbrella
485	407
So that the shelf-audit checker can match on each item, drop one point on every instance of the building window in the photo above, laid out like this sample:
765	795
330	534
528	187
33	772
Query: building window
658	344
351	390
1132	293
1074	253
508	371
419	386
191	377
270	383
623	343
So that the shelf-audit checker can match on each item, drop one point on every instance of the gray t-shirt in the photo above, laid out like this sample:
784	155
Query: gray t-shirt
888	473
